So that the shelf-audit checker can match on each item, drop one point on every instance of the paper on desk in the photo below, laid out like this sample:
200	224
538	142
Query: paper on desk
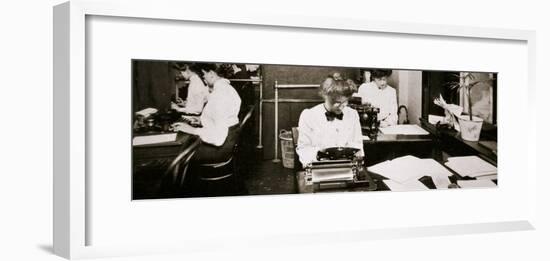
405	129
153	139
431	167
471	166
147	112
476	183
400	169
434	119
365	137
441	182
490	177
407	186
407	168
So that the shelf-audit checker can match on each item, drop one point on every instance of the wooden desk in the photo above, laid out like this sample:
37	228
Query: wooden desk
147	154
378	180
150	164
449	142
387	147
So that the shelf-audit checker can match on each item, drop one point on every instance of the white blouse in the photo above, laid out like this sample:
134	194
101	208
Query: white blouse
315	132
197	94
385	99
220	112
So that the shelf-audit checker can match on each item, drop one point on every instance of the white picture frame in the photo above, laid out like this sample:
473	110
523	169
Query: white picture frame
71	198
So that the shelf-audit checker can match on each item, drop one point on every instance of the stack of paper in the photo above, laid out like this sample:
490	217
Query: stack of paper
409	168
434	119
472	166
441	182
404	129
147	112
399	169
407	186
475	183
154	139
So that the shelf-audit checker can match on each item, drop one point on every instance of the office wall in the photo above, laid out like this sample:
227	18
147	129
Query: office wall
408	85
289	113
415	96
409	93
152	85
394	81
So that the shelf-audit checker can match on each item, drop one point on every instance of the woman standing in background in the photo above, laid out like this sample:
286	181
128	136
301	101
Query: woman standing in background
381	95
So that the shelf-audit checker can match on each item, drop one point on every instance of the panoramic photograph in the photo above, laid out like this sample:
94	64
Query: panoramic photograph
212	129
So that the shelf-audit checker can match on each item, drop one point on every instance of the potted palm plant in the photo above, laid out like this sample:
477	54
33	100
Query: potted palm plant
470	125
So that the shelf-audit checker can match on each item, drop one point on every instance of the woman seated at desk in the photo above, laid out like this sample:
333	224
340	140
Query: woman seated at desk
329	124
197	92
219	118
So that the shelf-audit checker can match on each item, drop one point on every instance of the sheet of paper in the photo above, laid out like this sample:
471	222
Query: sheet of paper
476	183
404	129
493	176
406	168
441	182
434	119
471	166
432	168
407	186
153	139
366	137
146	112
400	169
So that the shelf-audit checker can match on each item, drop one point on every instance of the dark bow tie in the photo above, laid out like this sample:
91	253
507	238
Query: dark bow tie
331	116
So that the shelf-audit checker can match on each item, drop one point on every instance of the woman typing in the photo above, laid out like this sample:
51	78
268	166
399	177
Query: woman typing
329	124
197	92
219	118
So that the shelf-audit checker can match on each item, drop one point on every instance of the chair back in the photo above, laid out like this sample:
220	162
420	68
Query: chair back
247	116
295	134
182	159
231	161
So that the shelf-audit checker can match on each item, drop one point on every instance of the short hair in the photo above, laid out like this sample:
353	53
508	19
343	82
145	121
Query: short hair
336	76
362	75
191	67
241	66
336	88
379	73
221	69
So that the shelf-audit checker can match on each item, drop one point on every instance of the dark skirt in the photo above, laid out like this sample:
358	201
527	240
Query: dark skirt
207	153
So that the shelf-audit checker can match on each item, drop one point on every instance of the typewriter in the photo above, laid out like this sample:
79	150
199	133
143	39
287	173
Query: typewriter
368	116
338	168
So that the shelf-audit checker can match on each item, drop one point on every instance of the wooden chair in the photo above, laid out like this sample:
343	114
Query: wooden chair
173	178
215	178
297	163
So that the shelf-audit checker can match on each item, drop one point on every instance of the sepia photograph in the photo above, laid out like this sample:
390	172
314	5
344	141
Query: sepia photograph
207	129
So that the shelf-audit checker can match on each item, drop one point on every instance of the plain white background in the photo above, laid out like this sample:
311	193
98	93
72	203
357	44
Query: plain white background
26	131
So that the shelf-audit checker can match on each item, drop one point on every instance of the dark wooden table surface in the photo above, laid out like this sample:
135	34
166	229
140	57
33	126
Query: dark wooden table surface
160	153
390	146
